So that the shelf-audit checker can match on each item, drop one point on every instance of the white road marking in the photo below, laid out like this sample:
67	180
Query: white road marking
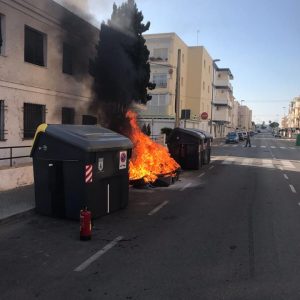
267	163
234	145
253	146
186	186
94	257
263	146
273	147
292	188
282	148
285	176
202	174
299	203
211	167
228	161
156	209
246	162
293	148
287	164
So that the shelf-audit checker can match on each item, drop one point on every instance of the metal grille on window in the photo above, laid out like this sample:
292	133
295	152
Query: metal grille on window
34	47
1	120
67	115
34	115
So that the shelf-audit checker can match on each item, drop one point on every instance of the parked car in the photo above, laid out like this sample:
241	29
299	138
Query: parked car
240	134
232	137
277	135
244	134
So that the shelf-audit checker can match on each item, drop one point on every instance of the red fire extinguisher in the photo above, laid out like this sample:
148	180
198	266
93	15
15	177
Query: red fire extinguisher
85	224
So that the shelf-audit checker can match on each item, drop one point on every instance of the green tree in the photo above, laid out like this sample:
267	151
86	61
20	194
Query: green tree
274	125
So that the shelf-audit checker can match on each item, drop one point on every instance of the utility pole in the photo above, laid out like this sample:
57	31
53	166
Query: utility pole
177	90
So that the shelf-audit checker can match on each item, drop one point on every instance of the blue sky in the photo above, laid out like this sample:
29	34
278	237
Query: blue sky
258	40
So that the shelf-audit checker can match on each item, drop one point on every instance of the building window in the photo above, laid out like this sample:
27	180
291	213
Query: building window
160	54
34	115
160	80
67	115
203	85
67	66
1	120
2	34
158	104
181	81
182	58
89	120
34	51
209	69
204	63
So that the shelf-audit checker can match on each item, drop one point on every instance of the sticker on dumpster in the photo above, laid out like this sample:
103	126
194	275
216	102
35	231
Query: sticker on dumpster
100	164
88	173
123	160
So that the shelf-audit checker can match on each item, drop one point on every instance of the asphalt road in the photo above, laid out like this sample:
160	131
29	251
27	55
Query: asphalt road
228	231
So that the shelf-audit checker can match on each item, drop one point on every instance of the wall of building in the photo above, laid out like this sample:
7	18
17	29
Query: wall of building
22	82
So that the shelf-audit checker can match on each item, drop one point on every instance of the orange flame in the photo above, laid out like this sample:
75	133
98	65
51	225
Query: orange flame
149	159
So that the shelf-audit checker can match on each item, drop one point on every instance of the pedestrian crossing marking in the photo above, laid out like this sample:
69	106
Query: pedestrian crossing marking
246	162
228	161
287	164
268	163
255	146
256	162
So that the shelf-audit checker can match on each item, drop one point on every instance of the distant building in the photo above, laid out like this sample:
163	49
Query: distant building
235	115
222	102
195	83
245	118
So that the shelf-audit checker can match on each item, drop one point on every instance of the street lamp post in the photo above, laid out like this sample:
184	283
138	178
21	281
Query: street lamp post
212	93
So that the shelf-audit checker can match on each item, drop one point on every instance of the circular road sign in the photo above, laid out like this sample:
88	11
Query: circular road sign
204	115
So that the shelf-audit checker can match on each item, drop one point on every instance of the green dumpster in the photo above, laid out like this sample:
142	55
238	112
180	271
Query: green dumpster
298	140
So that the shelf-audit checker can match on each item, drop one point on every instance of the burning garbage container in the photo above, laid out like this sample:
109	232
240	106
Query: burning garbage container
78	166
186	146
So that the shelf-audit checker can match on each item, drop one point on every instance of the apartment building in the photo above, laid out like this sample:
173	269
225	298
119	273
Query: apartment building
222	101
235	115
294	113
195	78
43	76
245	118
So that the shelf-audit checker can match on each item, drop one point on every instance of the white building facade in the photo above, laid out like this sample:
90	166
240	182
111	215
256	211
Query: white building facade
40	76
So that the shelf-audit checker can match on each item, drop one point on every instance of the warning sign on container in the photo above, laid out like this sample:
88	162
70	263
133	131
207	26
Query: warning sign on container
123	160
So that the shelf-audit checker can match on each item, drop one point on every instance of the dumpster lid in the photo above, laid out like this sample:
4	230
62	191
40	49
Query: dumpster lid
189	131
91	138
203	132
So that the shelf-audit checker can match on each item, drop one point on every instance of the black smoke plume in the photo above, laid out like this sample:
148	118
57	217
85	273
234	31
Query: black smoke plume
79	38
121	70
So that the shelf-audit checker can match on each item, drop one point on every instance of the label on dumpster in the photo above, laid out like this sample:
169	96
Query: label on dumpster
123	160
100	164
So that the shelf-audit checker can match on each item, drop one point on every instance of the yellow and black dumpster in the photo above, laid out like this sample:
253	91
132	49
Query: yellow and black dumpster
78	166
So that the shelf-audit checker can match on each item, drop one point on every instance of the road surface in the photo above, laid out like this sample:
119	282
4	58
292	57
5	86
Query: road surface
230	230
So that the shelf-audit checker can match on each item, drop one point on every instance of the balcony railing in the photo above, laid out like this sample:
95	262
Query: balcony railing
11	156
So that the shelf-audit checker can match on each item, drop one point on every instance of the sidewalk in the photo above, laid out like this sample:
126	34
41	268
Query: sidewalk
16	201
